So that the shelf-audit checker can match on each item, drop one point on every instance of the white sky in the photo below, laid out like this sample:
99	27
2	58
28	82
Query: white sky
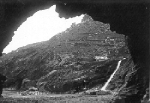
43	25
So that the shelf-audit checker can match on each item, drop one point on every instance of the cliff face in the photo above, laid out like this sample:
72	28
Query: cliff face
80	58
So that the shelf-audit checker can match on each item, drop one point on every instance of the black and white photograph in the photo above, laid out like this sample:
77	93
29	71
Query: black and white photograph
74	51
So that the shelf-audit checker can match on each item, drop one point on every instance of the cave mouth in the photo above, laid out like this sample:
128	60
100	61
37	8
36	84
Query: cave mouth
41	26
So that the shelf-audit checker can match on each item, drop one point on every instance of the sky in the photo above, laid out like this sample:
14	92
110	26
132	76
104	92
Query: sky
41	26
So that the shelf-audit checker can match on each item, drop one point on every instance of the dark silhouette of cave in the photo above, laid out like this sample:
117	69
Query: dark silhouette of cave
128	18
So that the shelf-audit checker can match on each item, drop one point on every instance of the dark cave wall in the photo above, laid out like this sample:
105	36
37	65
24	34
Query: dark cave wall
128	18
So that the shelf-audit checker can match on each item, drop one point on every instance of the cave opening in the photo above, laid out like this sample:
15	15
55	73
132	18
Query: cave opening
39	27
130	19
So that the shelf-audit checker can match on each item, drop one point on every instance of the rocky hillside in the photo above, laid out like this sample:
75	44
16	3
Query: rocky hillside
80	58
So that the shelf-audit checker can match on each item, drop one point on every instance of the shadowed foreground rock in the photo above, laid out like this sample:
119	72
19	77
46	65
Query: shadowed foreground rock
2	80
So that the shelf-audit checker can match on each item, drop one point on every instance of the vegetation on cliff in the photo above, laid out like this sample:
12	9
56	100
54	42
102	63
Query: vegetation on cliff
81	58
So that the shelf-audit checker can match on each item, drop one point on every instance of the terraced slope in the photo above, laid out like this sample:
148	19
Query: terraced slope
82	57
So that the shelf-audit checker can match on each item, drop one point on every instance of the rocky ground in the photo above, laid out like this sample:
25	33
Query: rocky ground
16	97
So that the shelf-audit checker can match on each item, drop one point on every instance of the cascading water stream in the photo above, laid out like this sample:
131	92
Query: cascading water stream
106	84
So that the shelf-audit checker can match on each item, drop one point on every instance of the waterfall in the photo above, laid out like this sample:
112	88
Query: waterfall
106	84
